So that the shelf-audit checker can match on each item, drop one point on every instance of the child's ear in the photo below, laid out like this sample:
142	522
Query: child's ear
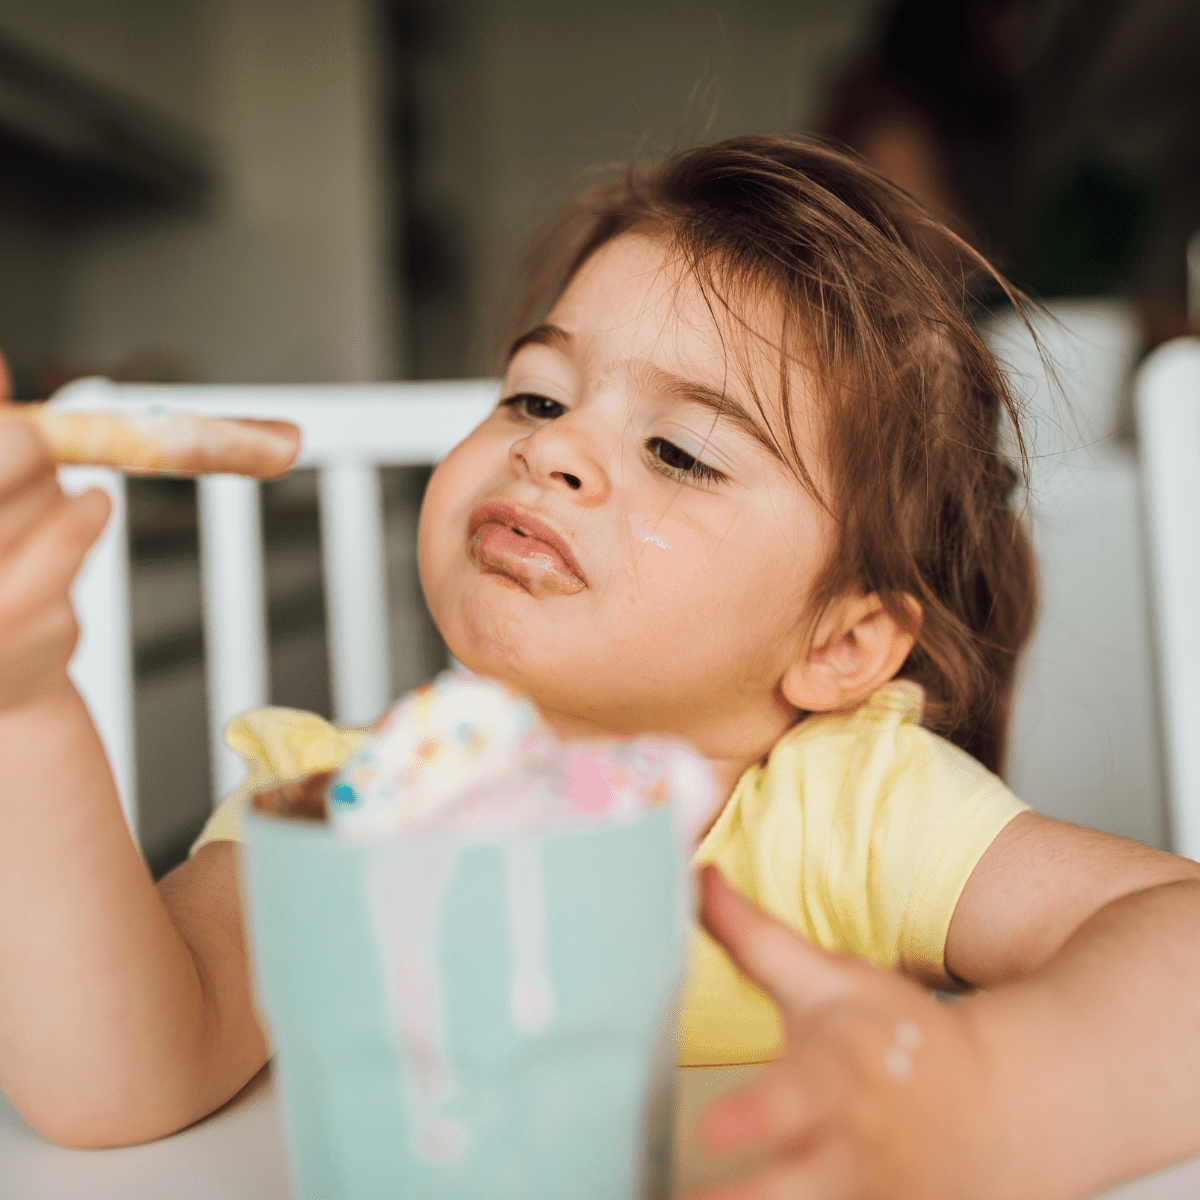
857	646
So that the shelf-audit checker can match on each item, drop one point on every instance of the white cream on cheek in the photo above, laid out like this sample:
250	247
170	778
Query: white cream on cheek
647	535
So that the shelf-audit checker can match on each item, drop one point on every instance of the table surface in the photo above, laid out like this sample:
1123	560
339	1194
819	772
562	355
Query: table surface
238	1154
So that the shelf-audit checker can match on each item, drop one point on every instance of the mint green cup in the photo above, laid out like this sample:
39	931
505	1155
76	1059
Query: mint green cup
474	1020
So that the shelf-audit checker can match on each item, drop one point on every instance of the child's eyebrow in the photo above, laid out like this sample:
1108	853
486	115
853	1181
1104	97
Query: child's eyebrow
542	335
723	404
691	391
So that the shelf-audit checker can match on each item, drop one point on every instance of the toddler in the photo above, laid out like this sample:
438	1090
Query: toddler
743	487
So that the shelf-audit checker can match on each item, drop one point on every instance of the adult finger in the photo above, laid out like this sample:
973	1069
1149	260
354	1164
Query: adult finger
790	968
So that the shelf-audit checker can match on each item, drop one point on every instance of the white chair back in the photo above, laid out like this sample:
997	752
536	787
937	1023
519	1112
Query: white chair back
1092	344
350	431
1084	743
1167	395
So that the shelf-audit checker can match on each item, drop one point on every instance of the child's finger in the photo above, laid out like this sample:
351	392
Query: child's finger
787	966
24	453
38	630
81	521
48	558
28	481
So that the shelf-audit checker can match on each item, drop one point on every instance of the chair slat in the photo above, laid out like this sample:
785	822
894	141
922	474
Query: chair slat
1168	401
352	551
234	607
102	666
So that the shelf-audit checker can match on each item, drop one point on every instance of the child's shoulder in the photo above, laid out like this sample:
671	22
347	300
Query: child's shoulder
885	728
862	827
875	755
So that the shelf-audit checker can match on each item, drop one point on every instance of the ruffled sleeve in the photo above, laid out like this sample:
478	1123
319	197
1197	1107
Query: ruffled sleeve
276	744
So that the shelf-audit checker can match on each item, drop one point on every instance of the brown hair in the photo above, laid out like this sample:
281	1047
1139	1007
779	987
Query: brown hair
910	399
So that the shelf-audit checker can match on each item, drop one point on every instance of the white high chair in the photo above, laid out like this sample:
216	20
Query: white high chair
349	430
1167	394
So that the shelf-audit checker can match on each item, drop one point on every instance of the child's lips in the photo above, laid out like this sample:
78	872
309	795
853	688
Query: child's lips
507	541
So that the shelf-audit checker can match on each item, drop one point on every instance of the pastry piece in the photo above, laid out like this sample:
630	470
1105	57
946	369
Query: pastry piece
302	798
169	443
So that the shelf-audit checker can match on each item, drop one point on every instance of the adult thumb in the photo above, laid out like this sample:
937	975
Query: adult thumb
797	974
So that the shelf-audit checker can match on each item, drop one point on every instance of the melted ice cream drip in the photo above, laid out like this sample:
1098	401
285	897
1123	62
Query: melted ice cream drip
404	893
532	997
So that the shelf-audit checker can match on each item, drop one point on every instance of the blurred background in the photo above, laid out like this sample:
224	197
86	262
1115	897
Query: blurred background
252	191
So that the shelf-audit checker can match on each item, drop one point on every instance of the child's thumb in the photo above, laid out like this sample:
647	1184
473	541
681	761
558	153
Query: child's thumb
790	968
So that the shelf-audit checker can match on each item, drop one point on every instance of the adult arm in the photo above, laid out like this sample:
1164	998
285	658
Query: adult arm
1089	946
1079	1067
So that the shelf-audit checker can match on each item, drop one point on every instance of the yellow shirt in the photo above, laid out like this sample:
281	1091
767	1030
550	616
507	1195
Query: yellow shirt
860	831
277	744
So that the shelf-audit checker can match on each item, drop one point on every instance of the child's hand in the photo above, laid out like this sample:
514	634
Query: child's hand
44	536
881	1089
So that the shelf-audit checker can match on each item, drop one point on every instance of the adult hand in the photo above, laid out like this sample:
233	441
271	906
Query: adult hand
44	536
881	1091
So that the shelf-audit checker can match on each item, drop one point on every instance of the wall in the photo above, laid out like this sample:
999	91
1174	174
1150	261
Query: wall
516	100
141	48
286	278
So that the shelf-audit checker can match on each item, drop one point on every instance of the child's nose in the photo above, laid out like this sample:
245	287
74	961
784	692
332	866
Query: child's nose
558	457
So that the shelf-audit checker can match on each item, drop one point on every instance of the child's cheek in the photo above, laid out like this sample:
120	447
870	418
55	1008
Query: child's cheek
431	532
453	488
442	526
696	577
647	533
661	557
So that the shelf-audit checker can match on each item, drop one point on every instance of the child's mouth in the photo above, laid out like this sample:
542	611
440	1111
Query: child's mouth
515	545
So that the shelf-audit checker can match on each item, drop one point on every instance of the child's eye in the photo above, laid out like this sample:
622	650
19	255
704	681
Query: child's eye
671	460
537	408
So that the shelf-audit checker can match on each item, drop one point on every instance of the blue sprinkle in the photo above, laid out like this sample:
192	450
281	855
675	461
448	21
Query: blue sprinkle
343	795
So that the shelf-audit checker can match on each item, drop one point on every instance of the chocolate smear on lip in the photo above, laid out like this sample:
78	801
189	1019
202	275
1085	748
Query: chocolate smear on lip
302	799
539	572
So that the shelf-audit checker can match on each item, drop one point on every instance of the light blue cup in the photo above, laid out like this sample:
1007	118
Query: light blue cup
542	1067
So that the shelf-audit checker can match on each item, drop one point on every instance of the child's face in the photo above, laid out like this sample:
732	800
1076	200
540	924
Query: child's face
607	541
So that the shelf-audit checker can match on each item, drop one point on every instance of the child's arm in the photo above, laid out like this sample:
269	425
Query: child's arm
125	1010
1080	1069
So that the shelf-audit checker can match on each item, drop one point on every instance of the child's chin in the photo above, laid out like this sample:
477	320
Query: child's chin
486	636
